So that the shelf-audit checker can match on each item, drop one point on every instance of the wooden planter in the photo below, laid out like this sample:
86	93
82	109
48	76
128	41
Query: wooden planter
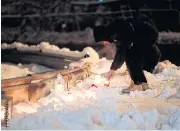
35	86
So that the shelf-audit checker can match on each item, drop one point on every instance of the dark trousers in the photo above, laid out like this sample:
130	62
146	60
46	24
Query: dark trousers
139	59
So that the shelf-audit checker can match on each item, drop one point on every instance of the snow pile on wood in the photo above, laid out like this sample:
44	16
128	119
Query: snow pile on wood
87	107
10	71
47	48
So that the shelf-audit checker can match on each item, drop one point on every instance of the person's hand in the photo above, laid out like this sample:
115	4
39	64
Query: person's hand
110	74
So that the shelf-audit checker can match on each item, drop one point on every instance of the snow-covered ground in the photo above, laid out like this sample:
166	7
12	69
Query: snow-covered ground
90	107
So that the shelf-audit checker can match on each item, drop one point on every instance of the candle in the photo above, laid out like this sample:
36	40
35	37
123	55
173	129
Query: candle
106	83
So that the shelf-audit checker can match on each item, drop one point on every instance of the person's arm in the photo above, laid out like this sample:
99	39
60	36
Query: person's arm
118	60
119	57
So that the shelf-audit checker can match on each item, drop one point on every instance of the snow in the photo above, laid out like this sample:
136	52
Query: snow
10	70
87	107
169	37
48	48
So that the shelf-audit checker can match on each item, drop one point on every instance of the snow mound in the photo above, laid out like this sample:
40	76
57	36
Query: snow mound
98	107
164	65
11	71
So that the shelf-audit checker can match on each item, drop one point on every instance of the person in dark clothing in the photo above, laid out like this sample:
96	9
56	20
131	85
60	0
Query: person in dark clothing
136	44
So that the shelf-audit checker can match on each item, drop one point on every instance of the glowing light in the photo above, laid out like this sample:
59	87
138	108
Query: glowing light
98	78
106	83
100	0
105	42
101	80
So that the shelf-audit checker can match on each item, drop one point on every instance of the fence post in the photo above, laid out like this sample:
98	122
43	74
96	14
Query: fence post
179	18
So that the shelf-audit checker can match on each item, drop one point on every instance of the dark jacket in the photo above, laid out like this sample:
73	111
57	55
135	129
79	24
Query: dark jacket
141	32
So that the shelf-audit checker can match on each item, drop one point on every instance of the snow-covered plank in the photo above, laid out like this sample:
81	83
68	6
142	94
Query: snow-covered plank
51	62
47	50
23	91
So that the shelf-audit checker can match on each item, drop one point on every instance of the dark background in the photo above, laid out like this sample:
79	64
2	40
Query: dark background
23	18
66	22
